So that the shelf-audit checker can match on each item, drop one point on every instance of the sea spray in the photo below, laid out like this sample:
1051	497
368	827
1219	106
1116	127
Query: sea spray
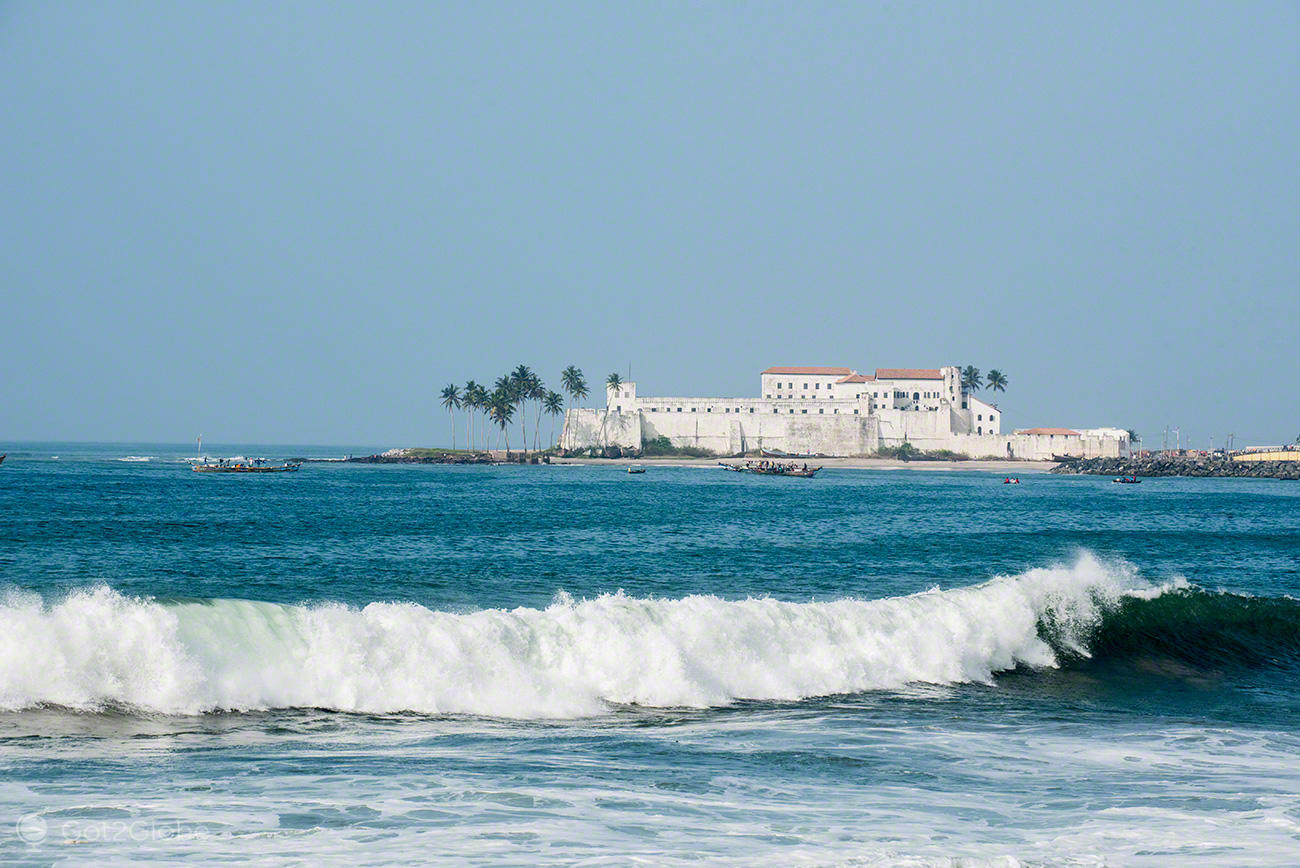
97	648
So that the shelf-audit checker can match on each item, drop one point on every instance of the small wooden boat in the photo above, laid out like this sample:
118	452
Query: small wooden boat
1011	480
771	469
2	457
635	469
1126	480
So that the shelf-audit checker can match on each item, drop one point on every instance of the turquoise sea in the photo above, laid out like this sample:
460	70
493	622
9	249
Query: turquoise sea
570	665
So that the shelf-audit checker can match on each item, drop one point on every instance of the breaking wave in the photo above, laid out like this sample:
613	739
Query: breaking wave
97	649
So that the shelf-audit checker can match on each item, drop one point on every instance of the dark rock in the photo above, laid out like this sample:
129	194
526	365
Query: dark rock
1181	465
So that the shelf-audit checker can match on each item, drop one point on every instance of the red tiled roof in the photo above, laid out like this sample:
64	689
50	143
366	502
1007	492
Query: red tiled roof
827	372
1063	431
856	378
909	374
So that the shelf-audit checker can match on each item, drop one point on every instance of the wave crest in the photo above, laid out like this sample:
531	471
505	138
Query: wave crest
97	648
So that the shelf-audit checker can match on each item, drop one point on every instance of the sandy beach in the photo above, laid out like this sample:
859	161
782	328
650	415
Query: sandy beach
990	465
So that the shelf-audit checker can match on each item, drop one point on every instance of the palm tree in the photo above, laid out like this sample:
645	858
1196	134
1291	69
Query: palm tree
501	387
451	400
553	404
482	400
997	381
574	383
521	380
501	409
537	392
971	379
469	401
614	382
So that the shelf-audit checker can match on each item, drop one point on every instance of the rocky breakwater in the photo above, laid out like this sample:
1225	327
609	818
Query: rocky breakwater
424	456
1181	465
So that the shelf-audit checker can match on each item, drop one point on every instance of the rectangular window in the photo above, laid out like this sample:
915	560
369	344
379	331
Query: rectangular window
805	412
751	409
819	412
817	385
855	412
693	409
774	410
805	385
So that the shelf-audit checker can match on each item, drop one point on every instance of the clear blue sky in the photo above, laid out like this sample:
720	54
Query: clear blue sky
296	222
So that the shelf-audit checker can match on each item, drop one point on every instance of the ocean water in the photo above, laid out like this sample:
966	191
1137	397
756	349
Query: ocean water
571	665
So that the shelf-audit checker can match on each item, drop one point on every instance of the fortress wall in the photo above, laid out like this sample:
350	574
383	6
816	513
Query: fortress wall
838	435
726	434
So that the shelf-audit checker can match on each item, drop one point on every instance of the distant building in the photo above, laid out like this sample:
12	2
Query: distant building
831	411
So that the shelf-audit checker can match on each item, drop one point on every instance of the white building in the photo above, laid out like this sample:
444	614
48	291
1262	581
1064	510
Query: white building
830	411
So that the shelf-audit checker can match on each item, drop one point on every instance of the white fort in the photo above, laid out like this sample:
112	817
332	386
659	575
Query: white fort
834	412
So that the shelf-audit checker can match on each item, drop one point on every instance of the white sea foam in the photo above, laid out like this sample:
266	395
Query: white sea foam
138	458
97	647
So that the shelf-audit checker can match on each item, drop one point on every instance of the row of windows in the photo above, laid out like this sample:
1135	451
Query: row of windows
737	410
915	396
873	406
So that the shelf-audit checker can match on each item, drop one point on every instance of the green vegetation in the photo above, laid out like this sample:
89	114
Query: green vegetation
907	452
436	453
997	381
662	447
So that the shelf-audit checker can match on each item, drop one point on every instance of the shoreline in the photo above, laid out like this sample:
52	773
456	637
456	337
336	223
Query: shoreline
987	465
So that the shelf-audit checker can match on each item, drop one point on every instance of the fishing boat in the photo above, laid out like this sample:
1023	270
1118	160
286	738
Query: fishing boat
1011	480
1126	480
770	469
257	465
2	458
635	469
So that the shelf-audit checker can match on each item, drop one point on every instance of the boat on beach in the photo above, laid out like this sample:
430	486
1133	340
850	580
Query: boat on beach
636	469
